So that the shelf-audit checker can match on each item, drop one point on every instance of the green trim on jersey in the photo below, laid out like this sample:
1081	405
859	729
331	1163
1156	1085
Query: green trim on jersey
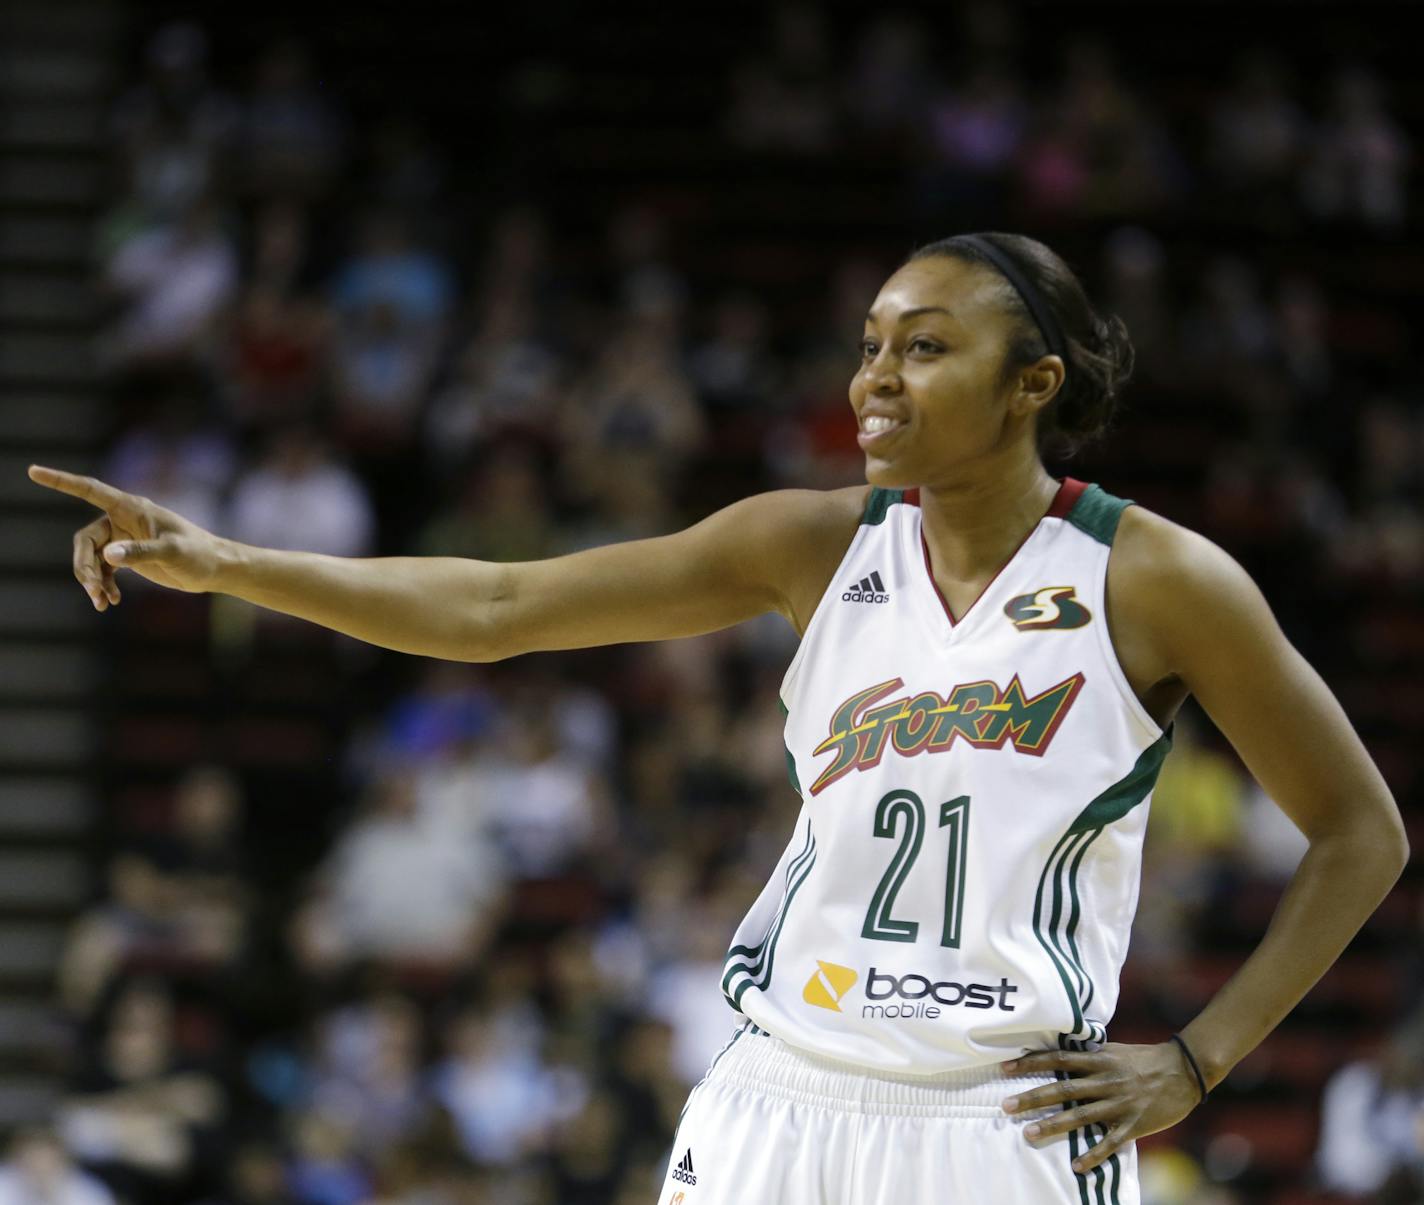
1123	796
878	505
790	761
763	954
1097	512
1057	909
1090	1140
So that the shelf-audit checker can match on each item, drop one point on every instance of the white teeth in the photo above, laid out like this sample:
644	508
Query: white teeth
878	422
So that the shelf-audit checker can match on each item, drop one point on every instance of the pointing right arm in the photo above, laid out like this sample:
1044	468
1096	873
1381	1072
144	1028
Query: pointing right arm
769	552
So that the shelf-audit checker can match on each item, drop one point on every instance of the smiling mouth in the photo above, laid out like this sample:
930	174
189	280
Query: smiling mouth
877	430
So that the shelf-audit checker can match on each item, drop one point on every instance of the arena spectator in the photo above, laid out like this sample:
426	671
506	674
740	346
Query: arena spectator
686	993
388	269
1137	289
382	366
1258	140
1356	170
396	887
175	129
143	1113
173	284
255	1177
298	496
501	1096
369	1072
547	807
1101	151
275	357
785	100
325	1167
144	921
38	1169
889	82
1372	1120
973	132
732	368
292	136
636	397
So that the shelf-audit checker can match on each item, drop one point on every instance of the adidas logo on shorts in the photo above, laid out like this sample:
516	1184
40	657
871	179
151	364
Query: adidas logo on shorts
869	589
683	1171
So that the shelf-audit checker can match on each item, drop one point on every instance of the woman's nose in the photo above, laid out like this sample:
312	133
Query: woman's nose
878	374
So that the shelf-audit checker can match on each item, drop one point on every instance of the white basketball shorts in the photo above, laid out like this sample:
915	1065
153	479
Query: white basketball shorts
770	1124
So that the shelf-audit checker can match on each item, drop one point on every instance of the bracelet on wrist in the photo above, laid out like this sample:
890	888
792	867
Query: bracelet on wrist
1192	1063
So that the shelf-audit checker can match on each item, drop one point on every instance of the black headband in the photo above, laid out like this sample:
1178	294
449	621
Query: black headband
1042	314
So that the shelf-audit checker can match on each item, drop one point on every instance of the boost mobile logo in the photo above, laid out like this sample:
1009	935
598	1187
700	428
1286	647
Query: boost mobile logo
884	986
828	985
910	995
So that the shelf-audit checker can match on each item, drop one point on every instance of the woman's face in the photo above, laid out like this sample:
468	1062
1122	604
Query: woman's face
927	396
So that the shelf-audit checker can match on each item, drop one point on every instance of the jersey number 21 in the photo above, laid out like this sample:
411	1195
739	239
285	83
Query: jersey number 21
954	815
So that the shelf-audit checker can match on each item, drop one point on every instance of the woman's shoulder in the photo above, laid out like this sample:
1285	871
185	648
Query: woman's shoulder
1151	550
798	514
1168	585
809	531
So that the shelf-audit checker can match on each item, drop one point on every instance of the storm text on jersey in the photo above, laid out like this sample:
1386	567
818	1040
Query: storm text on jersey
982	714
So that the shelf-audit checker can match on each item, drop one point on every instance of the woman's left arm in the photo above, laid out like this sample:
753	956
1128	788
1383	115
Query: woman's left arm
1206	622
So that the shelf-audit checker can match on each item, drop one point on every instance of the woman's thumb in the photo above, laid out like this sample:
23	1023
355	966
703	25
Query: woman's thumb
128	552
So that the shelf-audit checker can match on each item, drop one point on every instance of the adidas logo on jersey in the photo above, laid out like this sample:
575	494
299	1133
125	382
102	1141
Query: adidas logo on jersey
683	1171
869	589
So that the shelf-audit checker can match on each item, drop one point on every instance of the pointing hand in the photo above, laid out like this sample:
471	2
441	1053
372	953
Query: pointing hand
133	533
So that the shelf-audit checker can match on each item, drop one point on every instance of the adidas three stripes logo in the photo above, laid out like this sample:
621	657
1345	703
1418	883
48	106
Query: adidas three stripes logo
869	589
683	1171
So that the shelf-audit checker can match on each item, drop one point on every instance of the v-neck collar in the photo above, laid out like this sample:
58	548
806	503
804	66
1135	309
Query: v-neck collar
1069	490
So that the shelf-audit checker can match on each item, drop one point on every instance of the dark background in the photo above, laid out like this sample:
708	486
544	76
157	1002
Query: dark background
691	210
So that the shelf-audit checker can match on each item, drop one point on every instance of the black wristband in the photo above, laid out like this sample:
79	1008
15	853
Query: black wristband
1201	1083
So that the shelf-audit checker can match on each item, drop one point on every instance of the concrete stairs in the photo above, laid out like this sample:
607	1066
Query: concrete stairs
56	70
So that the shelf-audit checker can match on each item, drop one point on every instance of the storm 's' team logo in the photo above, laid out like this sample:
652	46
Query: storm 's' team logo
982	714
1050	607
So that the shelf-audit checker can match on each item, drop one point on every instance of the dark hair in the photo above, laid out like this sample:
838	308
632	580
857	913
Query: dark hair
1099	356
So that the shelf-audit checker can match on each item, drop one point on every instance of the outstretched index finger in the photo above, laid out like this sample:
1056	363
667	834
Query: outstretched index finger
91	489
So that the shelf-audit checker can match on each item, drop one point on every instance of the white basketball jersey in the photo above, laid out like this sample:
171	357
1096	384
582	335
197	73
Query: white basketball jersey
961	881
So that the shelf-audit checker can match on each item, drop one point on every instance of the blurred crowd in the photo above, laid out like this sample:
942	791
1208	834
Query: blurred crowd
499	977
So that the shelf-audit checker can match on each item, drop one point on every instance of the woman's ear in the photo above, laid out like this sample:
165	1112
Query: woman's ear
1038	384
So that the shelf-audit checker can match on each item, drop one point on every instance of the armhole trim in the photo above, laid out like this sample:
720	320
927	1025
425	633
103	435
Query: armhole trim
1097	512
1109	650
878	505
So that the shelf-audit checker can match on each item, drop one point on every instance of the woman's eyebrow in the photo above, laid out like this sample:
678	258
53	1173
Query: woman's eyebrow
915	313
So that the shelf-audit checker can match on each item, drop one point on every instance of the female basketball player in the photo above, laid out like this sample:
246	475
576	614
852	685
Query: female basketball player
989	666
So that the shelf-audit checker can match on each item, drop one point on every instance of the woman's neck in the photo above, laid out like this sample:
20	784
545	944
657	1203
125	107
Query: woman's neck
972	525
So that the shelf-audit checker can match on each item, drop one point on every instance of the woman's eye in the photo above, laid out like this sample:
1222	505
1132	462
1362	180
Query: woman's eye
867	346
